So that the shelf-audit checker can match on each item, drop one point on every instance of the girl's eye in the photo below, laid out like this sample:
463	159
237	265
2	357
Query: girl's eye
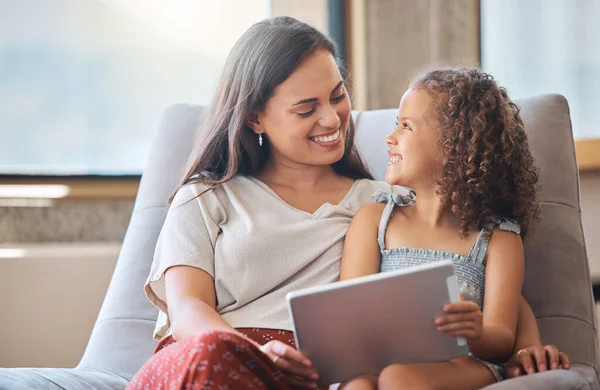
307	113
405	126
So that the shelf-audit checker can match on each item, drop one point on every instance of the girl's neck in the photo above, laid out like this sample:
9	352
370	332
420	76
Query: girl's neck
430	210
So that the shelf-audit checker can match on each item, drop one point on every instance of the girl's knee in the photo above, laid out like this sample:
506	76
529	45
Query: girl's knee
367	382
401	376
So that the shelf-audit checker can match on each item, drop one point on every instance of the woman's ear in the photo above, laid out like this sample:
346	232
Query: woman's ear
253	122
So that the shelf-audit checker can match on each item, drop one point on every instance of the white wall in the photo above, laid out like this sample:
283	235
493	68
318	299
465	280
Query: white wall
590	207
50	296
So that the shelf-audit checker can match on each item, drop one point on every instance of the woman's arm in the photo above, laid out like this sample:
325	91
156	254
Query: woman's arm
528	333
191	301
529	355
361	254
503	282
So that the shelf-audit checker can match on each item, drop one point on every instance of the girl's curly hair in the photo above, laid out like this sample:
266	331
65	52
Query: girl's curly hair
488	169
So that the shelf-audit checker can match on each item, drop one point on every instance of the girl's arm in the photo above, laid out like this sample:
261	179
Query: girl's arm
503	282
361	254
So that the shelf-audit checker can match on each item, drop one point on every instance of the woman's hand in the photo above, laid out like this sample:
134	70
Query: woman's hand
536	358
296	367
462	319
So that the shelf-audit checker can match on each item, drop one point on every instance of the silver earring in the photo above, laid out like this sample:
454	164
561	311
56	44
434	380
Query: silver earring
260	139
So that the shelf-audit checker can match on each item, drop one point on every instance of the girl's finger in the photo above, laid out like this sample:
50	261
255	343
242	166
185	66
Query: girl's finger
456	326
450	318
461	307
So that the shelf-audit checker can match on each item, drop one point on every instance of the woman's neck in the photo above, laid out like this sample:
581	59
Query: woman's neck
296	175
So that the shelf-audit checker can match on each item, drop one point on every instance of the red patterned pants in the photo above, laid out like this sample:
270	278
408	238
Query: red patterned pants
213	361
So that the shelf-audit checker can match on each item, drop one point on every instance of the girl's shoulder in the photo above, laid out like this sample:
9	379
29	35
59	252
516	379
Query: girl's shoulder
506	224
376	195
377	191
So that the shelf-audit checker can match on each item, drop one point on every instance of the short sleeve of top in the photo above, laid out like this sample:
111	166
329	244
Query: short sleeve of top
188	237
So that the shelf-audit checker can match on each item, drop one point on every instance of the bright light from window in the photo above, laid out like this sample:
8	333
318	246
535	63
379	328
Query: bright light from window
42	191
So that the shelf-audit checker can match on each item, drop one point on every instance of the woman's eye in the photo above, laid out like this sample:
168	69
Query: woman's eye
338	98
335	100
307	113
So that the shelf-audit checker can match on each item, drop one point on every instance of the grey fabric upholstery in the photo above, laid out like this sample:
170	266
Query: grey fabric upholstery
557	281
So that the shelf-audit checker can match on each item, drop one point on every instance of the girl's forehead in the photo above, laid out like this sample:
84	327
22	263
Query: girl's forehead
415	104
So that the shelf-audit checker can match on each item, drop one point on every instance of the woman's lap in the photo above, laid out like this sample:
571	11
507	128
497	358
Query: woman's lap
215	360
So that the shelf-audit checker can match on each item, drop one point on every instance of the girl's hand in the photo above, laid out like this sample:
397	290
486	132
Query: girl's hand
296	367
536	358
462	319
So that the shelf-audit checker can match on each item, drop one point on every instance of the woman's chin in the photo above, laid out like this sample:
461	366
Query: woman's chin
335	154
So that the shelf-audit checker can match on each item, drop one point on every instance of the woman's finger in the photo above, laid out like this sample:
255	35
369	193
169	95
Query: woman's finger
524	357
293	368
277	348
298	383
514	372
289	360
552	357
564	360
290	353
539	353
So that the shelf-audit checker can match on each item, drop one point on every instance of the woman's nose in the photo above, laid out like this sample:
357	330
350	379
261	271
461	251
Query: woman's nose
330	118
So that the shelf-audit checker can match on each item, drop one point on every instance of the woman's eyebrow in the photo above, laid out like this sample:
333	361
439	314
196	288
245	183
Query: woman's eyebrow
311	100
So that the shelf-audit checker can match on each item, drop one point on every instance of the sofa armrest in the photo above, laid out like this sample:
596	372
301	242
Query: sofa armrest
59	379
549	380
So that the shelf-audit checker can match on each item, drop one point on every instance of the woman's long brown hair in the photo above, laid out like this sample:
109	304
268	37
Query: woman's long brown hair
262	58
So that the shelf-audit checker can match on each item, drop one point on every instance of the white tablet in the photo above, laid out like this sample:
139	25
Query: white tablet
360	326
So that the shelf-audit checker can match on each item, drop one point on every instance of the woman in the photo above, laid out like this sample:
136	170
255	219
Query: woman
263	210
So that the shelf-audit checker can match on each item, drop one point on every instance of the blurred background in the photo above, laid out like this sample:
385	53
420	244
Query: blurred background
84	83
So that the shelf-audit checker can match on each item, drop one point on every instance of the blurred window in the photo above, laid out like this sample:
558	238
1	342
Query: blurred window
83	83
546	46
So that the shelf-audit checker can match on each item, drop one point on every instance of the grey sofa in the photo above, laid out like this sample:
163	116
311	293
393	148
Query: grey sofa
557	275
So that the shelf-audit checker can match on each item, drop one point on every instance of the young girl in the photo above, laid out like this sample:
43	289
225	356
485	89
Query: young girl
461	148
